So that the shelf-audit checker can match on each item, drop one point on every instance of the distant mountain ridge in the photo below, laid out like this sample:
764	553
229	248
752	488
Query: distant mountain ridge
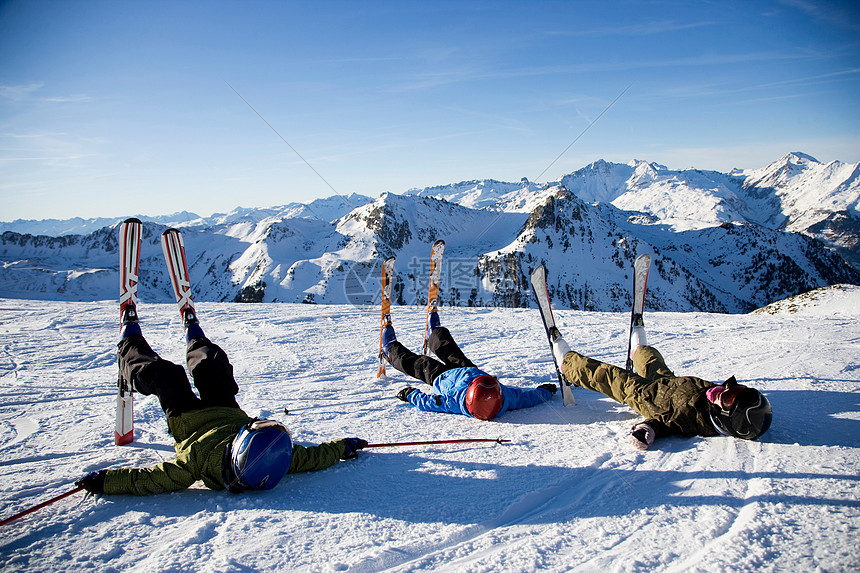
721	242
327	209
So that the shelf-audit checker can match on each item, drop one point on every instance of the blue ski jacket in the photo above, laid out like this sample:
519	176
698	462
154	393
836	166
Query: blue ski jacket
452	385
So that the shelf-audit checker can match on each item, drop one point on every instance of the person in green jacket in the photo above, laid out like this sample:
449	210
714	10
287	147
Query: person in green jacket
671	405
215	440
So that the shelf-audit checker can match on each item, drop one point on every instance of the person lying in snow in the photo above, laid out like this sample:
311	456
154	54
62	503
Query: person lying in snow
671	404
215	440
462	388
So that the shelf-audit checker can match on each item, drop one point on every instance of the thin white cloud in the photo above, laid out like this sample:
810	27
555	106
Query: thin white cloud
429	80
48	149
26	92
693	91
638	29
80	98
39	135
19	92
847	74
836	14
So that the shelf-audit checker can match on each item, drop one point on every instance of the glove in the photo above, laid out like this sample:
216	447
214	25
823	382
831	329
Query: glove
93	482
351	447
642	436
404	394
552	388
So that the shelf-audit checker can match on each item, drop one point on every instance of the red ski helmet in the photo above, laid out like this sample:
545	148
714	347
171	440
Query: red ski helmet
484	397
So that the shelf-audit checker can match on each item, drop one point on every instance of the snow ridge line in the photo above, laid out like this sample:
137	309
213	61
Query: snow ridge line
744	516
46	458
57	399
529	506
14	369
24	427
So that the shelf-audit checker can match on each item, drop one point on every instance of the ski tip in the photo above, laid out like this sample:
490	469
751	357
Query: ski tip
381	372
567	393
439	242
132	220
170	231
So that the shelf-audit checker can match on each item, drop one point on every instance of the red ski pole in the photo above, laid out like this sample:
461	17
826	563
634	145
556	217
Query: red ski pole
40	506
431	442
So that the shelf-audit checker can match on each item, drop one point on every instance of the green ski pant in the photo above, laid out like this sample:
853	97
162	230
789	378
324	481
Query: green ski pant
617	383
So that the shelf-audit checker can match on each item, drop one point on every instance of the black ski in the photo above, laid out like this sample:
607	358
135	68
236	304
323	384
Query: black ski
538	280
640	283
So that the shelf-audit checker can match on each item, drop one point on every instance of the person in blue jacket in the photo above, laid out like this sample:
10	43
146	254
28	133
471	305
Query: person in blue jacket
462	388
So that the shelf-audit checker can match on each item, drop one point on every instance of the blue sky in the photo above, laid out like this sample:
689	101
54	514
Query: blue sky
111	108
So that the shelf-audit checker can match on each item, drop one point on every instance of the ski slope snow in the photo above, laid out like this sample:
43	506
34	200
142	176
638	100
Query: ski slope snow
566	494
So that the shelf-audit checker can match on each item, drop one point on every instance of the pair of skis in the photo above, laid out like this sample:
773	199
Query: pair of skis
640	283
173	247
436	253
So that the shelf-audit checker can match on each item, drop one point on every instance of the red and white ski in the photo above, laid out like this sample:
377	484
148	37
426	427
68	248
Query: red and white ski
177	267
640	283
538	280
130	232
433	293
387	281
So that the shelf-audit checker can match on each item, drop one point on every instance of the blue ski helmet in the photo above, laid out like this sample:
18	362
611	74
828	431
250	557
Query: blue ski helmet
259	457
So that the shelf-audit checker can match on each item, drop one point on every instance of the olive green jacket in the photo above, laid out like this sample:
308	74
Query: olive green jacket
202	438
671	404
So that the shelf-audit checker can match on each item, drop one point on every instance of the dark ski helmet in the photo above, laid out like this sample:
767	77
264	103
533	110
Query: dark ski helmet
484	397
743	412
259	457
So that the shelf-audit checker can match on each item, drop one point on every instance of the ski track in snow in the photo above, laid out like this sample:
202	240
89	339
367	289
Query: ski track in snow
566	494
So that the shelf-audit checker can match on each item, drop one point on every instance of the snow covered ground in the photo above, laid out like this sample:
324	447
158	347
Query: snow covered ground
566	494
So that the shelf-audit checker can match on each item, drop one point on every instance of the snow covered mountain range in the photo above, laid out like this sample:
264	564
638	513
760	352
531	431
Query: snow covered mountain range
721	242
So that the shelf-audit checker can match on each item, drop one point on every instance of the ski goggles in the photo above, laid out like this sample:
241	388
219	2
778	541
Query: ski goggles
260	424
729	396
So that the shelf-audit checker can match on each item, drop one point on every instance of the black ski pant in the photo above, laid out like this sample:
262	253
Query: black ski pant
425	368
150	374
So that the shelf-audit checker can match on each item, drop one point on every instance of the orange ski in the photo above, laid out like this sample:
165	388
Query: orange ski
387	281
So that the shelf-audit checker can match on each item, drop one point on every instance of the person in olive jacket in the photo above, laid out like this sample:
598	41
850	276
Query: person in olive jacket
671	405
215	440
